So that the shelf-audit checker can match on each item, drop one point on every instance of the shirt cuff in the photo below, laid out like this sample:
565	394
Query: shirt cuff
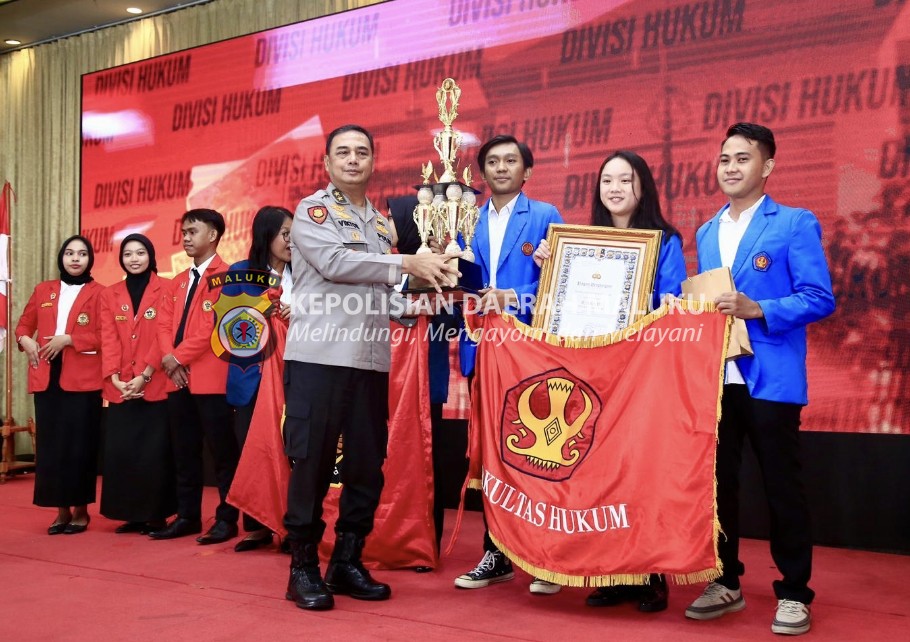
395	270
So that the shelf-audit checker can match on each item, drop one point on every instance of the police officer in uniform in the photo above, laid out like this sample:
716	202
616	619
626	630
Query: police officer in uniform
337	362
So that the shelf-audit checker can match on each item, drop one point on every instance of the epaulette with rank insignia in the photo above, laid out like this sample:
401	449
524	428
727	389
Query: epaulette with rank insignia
338	196
340	213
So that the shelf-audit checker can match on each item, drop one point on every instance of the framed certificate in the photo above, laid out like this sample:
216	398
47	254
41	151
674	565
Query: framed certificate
597	280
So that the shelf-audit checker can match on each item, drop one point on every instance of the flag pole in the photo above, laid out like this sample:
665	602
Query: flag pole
8	419
8	461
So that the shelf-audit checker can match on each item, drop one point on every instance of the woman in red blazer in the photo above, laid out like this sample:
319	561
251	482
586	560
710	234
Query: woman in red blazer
65	377
138	484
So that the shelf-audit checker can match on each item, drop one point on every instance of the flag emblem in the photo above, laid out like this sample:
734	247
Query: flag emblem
548	424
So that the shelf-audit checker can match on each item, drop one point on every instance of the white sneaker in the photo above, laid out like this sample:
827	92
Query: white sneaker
716	600
543	587
792	618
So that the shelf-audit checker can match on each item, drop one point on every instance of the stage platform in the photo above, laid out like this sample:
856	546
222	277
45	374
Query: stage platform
98	586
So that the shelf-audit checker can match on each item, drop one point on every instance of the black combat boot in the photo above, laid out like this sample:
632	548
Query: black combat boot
305	586
346	574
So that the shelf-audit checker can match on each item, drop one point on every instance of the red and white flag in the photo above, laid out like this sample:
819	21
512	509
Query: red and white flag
4	259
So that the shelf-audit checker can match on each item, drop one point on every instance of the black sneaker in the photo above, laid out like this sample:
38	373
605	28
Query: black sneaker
494	567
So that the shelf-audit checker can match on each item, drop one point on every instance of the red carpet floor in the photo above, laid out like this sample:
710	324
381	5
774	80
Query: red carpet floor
100	586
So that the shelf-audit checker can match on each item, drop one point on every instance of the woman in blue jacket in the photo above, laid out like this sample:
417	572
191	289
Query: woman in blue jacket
626	197
270	252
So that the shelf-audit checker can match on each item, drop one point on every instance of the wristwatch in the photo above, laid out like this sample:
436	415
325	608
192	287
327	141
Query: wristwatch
146	379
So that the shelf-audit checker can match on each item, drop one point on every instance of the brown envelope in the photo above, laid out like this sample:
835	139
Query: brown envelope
709	285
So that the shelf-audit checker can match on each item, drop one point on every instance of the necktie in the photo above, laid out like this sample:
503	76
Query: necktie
186	308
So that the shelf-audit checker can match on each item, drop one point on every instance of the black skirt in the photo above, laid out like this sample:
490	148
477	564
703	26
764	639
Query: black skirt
67	428
139	479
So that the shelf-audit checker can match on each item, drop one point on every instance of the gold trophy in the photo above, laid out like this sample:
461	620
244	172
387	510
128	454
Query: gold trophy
447	207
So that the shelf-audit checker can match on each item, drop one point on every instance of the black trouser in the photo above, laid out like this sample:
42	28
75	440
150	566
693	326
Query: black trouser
488	544
773	430
194	418
323	403
243	417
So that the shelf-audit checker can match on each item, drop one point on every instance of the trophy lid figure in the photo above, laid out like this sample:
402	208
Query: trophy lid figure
448	140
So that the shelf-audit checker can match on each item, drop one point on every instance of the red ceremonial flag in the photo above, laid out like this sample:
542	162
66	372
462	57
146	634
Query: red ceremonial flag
596	457
403	533
260	485
4	260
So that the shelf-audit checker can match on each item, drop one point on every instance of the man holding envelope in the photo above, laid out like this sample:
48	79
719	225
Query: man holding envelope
782	284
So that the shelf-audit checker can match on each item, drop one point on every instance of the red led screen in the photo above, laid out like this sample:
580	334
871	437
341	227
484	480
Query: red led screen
239	124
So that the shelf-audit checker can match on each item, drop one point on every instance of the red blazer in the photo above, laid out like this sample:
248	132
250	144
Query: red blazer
207	373
129	339
79	372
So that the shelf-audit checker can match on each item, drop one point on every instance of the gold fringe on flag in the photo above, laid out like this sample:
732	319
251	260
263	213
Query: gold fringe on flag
674	305
596	581
722	375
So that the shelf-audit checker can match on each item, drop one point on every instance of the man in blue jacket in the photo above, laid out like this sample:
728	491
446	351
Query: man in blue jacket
509	229
782	284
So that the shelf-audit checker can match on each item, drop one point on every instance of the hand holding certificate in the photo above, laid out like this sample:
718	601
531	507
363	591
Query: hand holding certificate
708	286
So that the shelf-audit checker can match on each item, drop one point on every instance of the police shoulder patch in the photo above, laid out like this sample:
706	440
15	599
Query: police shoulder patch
318	213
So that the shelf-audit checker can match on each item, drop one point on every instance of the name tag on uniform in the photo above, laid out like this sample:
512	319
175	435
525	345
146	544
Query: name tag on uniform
119	317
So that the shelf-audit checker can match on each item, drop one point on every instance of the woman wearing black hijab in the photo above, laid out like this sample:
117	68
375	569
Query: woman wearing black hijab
138	485
65	377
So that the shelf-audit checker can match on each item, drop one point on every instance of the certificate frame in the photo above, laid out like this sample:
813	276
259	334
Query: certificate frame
630	258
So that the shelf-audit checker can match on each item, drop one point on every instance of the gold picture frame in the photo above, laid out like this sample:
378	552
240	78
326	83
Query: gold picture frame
597	279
